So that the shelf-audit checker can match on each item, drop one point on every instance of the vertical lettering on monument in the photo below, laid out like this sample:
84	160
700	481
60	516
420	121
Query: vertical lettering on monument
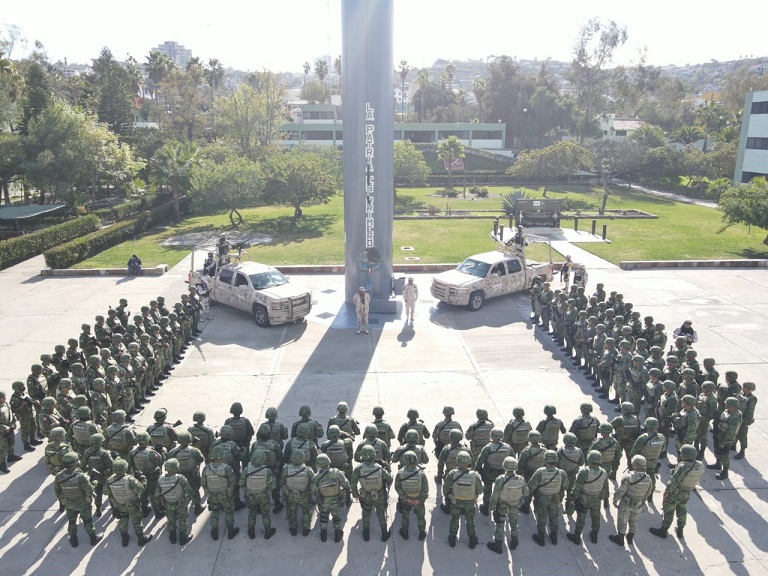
369	175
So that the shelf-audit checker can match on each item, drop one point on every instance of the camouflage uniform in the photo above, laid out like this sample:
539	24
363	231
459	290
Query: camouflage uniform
590	488
176	493
462	486
548	486
331	489
682	480
147	461
97	463
370	484
295	480
707	407
74	492
630	497
509	490
258	481
190	459
650	445
124	493
219	481
516	431
726	434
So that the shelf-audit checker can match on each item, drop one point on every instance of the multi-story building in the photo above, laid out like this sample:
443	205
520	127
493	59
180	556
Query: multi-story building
174	50
752	159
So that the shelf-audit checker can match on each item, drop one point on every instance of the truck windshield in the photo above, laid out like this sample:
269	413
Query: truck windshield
267	279
474	267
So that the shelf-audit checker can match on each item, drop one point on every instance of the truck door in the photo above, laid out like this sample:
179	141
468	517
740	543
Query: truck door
496	280
516	278
222	288
242	292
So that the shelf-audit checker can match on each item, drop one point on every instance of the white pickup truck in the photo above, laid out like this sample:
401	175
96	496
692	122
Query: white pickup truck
256	288
488	275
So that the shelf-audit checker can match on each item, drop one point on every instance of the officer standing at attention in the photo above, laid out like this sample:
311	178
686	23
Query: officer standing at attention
508	491
630	498
461	487
682	480
74	491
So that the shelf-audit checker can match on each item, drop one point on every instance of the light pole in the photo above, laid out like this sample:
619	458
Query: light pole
522	134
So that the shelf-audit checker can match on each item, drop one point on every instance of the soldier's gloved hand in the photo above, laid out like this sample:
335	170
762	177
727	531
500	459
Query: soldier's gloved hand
138	475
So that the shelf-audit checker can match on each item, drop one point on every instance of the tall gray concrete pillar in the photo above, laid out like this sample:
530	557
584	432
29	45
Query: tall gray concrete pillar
367	64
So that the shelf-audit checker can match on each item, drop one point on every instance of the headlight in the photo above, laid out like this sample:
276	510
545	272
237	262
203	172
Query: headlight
279	305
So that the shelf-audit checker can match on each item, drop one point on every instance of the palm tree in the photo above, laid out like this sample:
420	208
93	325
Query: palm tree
422	78
449	150
711	117
214	75
159	65
687	135
479	89
404	69
172	166
307	68
337	68
6	66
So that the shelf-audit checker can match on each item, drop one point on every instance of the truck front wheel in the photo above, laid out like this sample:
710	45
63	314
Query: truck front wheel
260	316
476	300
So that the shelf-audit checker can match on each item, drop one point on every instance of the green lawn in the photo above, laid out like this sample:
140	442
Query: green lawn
681	232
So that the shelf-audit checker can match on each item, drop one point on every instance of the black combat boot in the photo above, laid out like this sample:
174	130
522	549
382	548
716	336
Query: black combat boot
472	542
575	538
366	534
95	538
338	535
4	468
484	509
513	541
404	533
323	534
232	532
553	537
305	532
617	539
716	466
172	536
143	539
660	532
385	534
422	536
679	532
215	533
73	540
252	532
593	536
269	533
539	539
740	455
28	447
452	541
184	538
125	539
630	538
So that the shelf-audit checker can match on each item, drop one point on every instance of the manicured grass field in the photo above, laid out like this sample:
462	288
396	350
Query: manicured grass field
681	232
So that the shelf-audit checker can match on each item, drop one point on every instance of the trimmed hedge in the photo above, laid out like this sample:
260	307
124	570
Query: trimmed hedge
80	249
125	210
15	250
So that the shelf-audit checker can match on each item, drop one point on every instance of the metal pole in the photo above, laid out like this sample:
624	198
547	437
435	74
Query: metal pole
594	224
605	230
576	224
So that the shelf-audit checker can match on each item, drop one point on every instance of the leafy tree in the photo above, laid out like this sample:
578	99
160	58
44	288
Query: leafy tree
546	113
236	182
687	135
313	92
695	164
158	66
38	94
650	136
321	69
449	150
659	163
172	166
507	97
717	187
186	102
410	167
711	118
554	163
479	89
115	93
592	54
746	204
302	176
722	160
214	75
11	158
611	158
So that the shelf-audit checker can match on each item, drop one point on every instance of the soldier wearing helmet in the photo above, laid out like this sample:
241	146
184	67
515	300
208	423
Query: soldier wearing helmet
651	445
606	365
202	434
412	489
607	446
120	438
688	383
682	480
295	480
385	432
273	458
570	459
585	427
315	429
531	458
55	450
231	455
627	429
302	443
547	486
550	428
161	432
509	490
371	438
257	481
747	403
331	488
219	481
441	432
81	430
348	425
74	492
667	407
590	487
516	430
24	408
461	487
124	492
278	431
479	432
176	494
447	461
189	459
411	444
489	465
630	498
686	422
87	341
48	417
242	430
413	423
726	434
654	390
97	463
370	485
637	378
706	404
709	372
146	461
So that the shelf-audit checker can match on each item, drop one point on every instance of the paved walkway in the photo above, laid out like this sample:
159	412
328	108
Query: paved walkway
492	359
670	195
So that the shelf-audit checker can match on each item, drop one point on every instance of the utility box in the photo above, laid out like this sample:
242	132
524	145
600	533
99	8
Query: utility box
539	212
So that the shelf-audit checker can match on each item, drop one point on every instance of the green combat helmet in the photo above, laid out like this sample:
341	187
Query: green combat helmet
455	435
69	459
687	452
627	408
639	462
378	411
606	428
586	407
97	439
334	432
172	465
297	457
510	464
368	453
569	439
259	457
550	457
463	457
594	457
323	461
305	411
236	409
120	466
534	436
549	410
518	412
409	458
651	423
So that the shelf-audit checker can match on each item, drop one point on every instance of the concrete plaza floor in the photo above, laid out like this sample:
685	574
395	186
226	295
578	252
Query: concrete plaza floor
492	359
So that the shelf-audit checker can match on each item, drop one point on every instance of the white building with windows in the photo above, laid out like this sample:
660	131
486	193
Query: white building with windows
752	159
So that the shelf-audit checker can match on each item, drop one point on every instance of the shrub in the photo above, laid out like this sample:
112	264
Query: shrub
125	210
433	210
479	192
449	192
17	250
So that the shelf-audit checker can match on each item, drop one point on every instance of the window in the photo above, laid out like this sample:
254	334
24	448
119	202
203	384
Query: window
419	135
319	135
226	275
760	107
499	269
240	280
486	134
755	143
460	134
621	132
514	266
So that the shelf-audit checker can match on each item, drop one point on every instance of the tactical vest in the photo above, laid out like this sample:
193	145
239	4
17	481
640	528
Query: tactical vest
299	445
496	456
570	456
186	463
95	461
376	445
464	486
535	458
217	483
121	490
227	456
419	427
239	430
743	401
116	437
482	433
329	485
382	430
652	448
444	431
256	480
629	431
270	459
593	486
170	488
705	407
54	452
337	452
609	451
519	433
695	470
344	425
450	459
371	480
411	482
81	430
587	431
159	434
724	423
203	438
511	490
141	461
70	486
276	432
551	480
551	433
296	478
638	485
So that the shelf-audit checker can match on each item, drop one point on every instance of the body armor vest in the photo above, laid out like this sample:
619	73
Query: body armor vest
550	482
519	433
170	488
337	452
296	478
496	455
256	480
121	490
329	485
551	433
692	477
411	483
464	486
653	446
570	458
81	430
594	483
638	486
217	483
511	490
70	486
371	478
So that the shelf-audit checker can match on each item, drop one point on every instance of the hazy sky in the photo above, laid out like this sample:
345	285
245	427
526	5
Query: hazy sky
281	35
